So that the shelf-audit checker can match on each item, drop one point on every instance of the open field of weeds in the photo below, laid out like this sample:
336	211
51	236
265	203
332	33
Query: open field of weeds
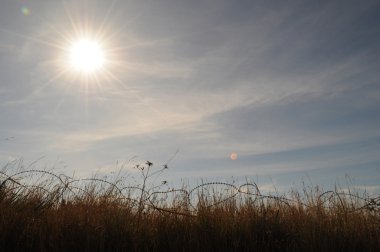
44	211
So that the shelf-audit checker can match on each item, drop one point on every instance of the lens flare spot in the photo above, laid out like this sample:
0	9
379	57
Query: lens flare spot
233	156
25	11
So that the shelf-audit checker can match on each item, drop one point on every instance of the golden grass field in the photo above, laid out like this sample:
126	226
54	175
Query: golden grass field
44	211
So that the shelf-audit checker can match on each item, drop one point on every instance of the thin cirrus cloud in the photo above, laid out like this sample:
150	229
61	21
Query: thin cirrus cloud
206	77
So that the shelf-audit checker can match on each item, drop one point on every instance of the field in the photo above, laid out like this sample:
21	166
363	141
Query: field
41	210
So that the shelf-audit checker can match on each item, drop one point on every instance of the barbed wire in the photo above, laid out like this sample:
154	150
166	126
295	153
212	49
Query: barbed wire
67	189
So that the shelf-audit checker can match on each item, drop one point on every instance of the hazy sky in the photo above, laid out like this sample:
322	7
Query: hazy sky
291	87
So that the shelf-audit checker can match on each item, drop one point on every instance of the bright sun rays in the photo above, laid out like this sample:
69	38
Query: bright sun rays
85	51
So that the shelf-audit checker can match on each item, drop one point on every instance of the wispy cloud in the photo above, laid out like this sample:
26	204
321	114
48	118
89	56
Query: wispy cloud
212	77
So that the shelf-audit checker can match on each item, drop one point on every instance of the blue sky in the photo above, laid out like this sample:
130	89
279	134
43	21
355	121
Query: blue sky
292	87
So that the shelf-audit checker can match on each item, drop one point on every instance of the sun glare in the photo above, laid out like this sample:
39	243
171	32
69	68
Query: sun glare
86	56
87	53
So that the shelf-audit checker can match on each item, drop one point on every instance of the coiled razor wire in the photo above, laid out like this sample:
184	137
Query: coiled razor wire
148	198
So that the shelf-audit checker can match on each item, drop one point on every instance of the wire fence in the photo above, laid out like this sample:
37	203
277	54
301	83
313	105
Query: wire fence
59	189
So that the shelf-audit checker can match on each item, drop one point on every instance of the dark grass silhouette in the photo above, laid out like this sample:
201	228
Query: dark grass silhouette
44	211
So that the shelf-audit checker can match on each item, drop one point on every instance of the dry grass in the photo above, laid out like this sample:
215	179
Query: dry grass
43	211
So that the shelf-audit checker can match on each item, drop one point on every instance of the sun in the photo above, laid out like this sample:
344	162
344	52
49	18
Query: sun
86	56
